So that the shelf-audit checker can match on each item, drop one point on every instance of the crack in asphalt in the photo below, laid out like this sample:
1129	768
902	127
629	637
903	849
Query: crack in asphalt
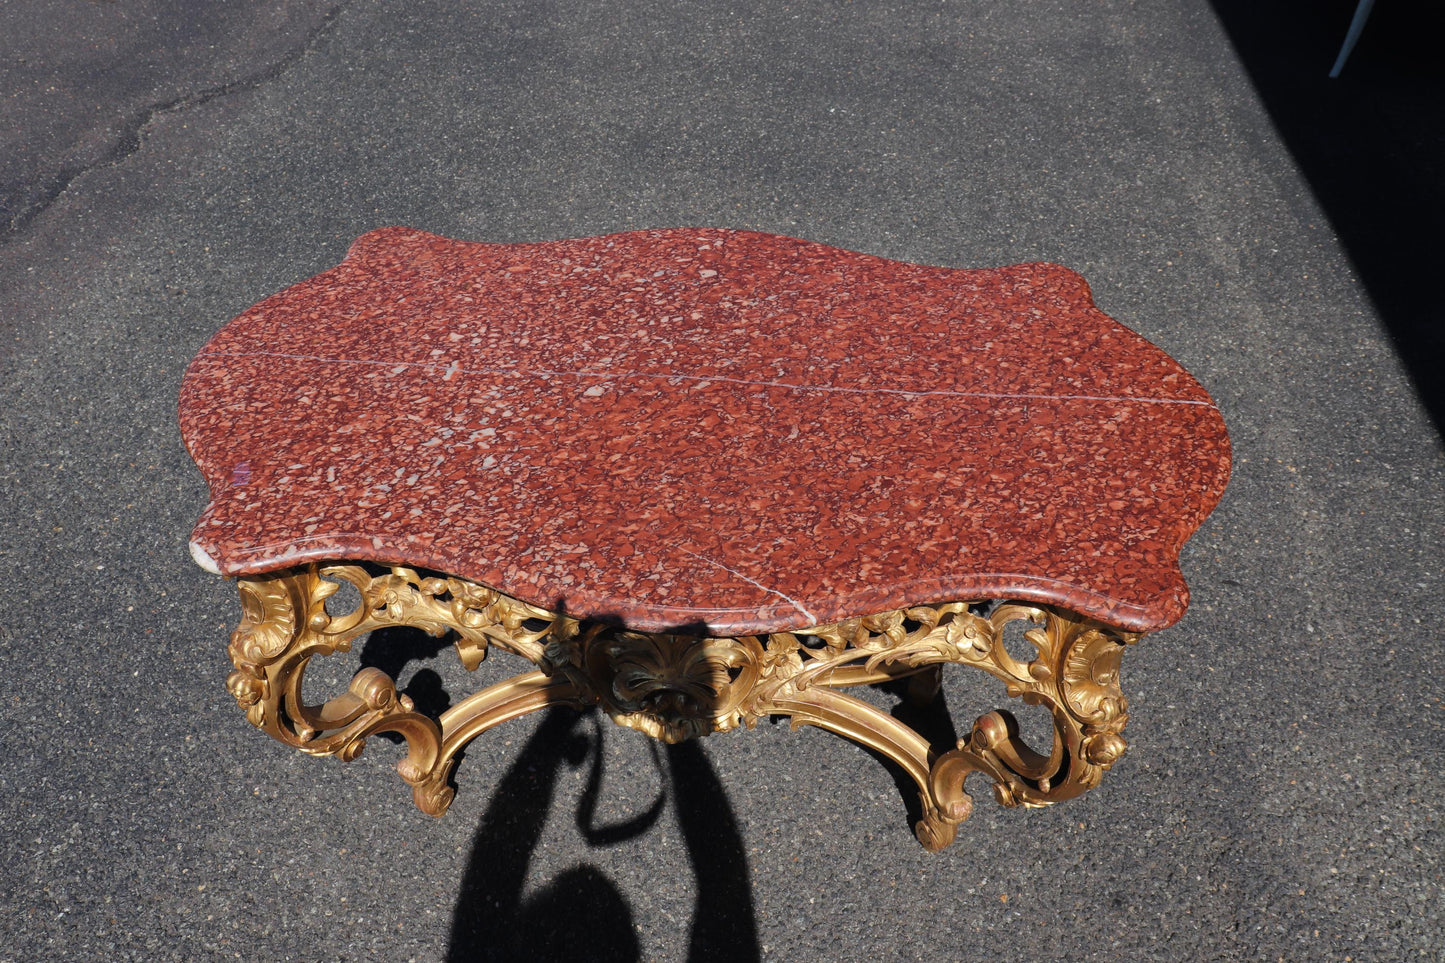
137	126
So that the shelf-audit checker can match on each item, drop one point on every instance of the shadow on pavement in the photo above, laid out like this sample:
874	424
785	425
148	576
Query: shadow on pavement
391	649
1372	145
723	926
581	914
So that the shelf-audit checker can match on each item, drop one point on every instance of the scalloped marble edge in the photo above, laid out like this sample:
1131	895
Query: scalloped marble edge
727	621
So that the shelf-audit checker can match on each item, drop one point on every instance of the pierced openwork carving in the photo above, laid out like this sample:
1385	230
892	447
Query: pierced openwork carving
676	686
672	687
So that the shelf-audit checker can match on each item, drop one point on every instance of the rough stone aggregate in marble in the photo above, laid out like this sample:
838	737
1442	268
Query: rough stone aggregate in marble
729	431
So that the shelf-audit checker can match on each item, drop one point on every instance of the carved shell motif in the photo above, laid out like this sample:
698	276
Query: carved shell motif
268	620
1091	678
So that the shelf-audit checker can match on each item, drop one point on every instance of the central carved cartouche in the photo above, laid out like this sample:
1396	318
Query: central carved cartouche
673	687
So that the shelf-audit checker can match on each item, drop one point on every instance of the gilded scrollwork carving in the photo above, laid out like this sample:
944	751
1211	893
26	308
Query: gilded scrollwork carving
676	686
1075	676
285	623
671	686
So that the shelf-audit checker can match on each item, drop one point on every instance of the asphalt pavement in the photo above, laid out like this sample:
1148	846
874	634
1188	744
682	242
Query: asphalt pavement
166	164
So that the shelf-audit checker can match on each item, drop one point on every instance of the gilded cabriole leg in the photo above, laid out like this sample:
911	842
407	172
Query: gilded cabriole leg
1074	672
285	623
675	687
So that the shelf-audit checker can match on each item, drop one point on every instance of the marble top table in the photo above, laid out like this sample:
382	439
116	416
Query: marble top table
699	477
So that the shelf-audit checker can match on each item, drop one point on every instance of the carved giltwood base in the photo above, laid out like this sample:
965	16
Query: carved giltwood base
677	687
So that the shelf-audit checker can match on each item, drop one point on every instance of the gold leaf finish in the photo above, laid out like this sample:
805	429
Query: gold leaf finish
676	686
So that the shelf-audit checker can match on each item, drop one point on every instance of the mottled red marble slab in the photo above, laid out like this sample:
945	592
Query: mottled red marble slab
732	431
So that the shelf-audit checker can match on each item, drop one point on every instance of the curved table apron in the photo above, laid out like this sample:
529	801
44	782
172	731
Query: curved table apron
700	477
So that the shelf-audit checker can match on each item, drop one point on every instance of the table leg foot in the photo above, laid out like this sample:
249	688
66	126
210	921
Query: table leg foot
936	832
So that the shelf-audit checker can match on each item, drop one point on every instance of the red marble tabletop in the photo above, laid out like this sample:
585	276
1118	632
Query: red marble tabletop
728	431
